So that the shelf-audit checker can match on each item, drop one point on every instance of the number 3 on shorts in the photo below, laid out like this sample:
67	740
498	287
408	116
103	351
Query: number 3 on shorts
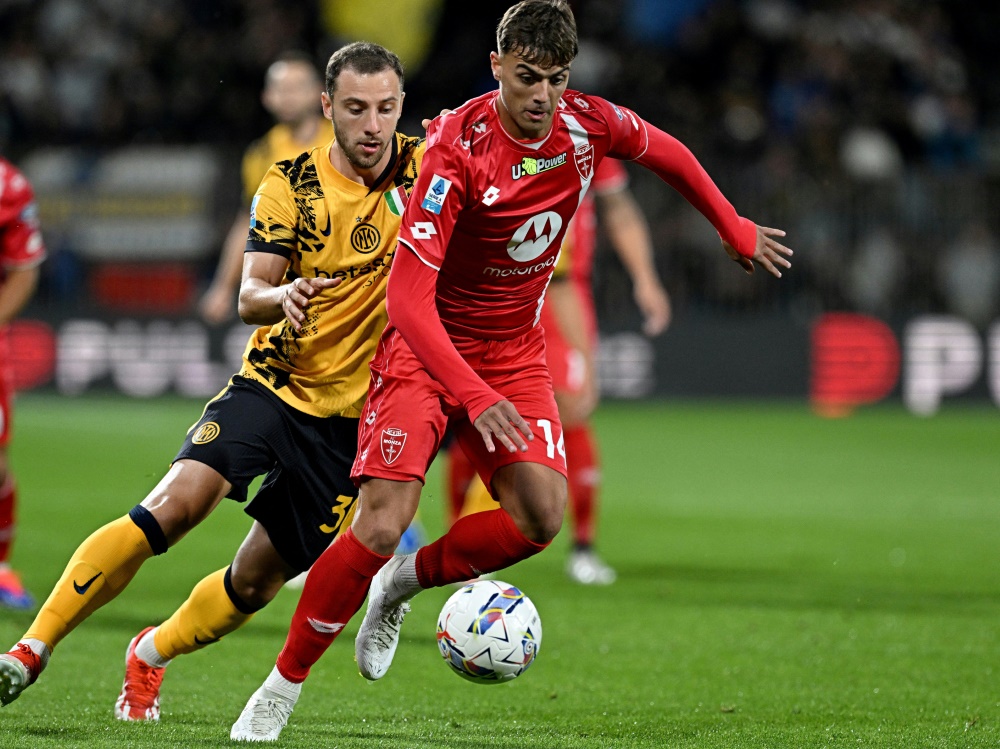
551	447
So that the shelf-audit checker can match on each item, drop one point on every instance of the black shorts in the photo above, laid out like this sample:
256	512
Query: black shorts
307	495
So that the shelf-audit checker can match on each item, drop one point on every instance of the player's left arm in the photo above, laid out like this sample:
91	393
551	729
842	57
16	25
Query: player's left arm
629	234
743	240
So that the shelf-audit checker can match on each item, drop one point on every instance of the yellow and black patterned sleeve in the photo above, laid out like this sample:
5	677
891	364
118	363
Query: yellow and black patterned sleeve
273	216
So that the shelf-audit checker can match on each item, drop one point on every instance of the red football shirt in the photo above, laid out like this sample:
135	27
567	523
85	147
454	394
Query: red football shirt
21	243
488	214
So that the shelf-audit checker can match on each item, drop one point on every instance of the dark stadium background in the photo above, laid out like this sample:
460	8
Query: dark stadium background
784	579
869	130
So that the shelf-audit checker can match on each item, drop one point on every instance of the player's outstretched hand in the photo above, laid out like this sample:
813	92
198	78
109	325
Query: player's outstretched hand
502	421
768	252
295	297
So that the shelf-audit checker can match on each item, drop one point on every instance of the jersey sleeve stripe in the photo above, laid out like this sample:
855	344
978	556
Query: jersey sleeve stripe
270	247
421	259
646	133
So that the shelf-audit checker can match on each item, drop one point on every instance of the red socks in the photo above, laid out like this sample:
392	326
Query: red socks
583	475
476	544
334	591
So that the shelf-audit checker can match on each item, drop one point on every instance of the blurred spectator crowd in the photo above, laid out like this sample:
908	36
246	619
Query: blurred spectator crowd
868	129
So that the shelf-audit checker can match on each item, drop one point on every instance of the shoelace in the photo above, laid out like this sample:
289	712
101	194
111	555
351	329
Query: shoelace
146	684
391	622
33	660
265	713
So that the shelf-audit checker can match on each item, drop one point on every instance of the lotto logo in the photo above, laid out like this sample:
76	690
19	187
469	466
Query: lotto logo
491	195
423	230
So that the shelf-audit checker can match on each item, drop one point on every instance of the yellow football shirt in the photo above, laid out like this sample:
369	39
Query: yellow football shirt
277	144
327	225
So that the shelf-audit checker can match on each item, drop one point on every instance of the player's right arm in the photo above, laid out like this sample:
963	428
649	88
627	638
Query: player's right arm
264	298
427	226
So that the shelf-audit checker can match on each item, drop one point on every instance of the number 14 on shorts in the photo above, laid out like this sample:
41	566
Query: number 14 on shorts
552	447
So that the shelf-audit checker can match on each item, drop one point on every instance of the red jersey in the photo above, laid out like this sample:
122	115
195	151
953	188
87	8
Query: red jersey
493	211
487	218
21	243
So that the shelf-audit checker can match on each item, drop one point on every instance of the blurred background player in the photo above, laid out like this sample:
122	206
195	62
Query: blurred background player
21	252
322	236
570	323
292	88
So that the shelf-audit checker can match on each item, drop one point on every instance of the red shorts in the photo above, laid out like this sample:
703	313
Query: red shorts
408	411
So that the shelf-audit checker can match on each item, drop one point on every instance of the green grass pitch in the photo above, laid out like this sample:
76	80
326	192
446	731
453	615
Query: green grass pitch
785	581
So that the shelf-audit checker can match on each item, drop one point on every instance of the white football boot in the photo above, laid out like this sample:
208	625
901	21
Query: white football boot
378	636
266	713
586	568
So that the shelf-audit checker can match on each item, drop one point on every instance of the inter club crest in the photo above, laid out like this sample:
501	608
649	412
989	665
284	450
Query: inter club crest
584	160
392	443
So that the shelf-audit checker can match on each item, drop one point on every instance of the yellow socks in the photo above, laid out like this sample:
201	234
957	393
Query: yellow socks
99	570
210	612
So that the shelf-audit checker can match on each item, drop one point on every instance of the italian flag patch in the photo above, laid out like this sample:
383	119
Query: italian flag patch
396	200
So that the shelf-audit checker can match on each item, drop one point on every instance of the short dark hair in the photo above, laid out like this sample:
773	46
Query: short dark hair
542	31
363	58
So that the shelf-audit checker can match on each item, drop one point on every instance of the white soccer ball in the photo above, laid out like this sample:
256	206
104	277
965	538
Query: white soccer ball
489	632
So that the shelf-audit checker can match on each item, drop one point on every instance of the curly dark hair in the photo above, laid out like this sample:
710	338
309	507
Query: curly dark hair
542	31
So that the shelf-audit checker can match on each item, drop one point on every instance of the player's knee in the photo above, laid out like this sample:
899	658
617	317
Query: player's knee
254	588
544	526
385	510
381	535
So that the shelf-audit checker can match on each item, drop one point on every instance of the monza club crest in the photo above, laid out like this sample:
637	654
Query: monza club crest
584	160
392	443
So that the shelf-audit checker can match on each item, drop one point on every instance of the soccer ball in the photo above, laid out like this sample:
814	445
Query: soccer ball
489	632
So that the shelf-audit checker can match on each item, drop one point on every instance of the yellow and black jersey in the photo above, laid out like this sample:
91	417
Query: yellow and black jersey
327	225
277	144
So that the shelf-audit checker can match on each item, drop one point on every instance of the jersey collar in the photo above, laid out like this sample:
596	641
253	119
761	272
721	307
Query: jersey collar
531	145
